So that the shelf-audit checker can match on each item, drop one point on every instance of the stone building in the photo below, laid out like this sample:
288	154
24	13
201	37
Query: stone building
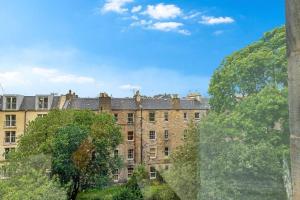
152	127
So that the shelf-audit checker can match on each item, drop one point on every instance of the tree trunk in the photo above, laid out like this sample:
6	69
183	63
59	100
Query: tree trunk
74	188
293	41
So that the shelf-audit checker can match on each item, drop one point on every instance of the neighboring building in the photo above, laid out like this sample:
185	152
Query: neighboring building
152	127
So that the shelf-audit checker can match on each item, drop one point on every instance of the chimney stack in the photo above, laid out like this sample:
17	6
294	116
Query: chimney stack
138	98
71	95
175	102
104	102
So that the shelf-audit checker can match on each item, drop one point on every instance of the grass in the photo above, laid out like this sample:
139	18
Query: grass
161	190
105	194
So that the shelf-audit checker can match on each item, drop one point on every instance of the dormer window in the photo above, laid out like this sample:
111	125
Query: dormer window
11	103
43	102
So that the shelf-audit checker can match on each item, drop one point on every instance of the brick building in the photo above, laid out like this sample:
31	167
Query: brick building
152	127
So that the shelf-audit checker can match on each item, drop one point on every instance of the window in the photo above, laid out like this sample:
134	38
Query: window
43	102
116	175
152	116
10	120
166	135
152	135
152	152
185	132
197	115
130	154
116	117
130	118
130	136
166	116
166	167
129	171
185	116
42	115
7	151
167	151
152	173
116	153
10	136
11	103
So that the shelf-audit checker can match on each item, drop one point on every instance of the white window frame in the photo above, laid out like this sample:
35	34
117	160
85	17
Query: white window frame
128	136
155	152
166	116
41	103
116	176
168	151
10	105
42	115
10	137
131	169
152	173
185	133
130	119
128	154
152	118
151	134
166	133
9	121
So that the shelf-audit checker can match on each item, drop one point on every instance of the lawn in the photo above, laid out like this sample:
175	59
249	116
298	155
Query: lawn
161	191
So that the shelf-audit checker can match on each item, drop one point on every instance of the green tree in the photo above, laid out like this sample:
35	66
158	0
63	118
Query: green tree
28	180
182	176
249	70
80	145
244	140
242	151
66	142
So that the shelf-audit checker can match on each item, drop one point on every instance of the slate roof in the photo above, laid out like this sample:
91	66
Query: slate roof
28	103
129	104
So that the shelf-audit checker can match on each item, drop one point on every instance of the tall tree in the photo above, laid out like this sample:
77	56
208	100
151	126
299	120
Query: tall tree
79	143
249	70
293	41
242	151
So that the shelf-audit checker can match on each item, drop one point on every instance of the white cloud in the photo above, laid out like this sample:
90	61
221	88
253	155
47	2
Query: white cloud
40	70
210	20
12	79
169	26
142	23
162	11
166	26
136	9
130	87
117	6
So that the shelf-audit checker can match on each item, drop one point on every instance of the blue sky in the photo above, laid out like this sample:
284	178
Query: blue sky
119	46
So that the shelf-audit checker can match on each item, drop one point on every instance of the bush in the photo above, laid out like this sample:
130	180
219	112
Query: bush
160	192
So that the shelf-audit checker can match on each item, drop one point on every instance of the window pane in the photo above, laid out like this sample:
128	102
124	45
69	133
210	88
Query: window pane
130	136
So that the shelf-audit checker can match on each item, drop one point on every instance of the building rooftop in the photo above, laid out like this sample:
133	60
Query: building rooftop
147	103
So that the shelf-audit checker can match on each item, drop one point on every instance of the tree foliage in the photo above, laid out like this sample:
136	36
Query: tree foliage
182	177
242	151
80	145
28	180
249	70
244	140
